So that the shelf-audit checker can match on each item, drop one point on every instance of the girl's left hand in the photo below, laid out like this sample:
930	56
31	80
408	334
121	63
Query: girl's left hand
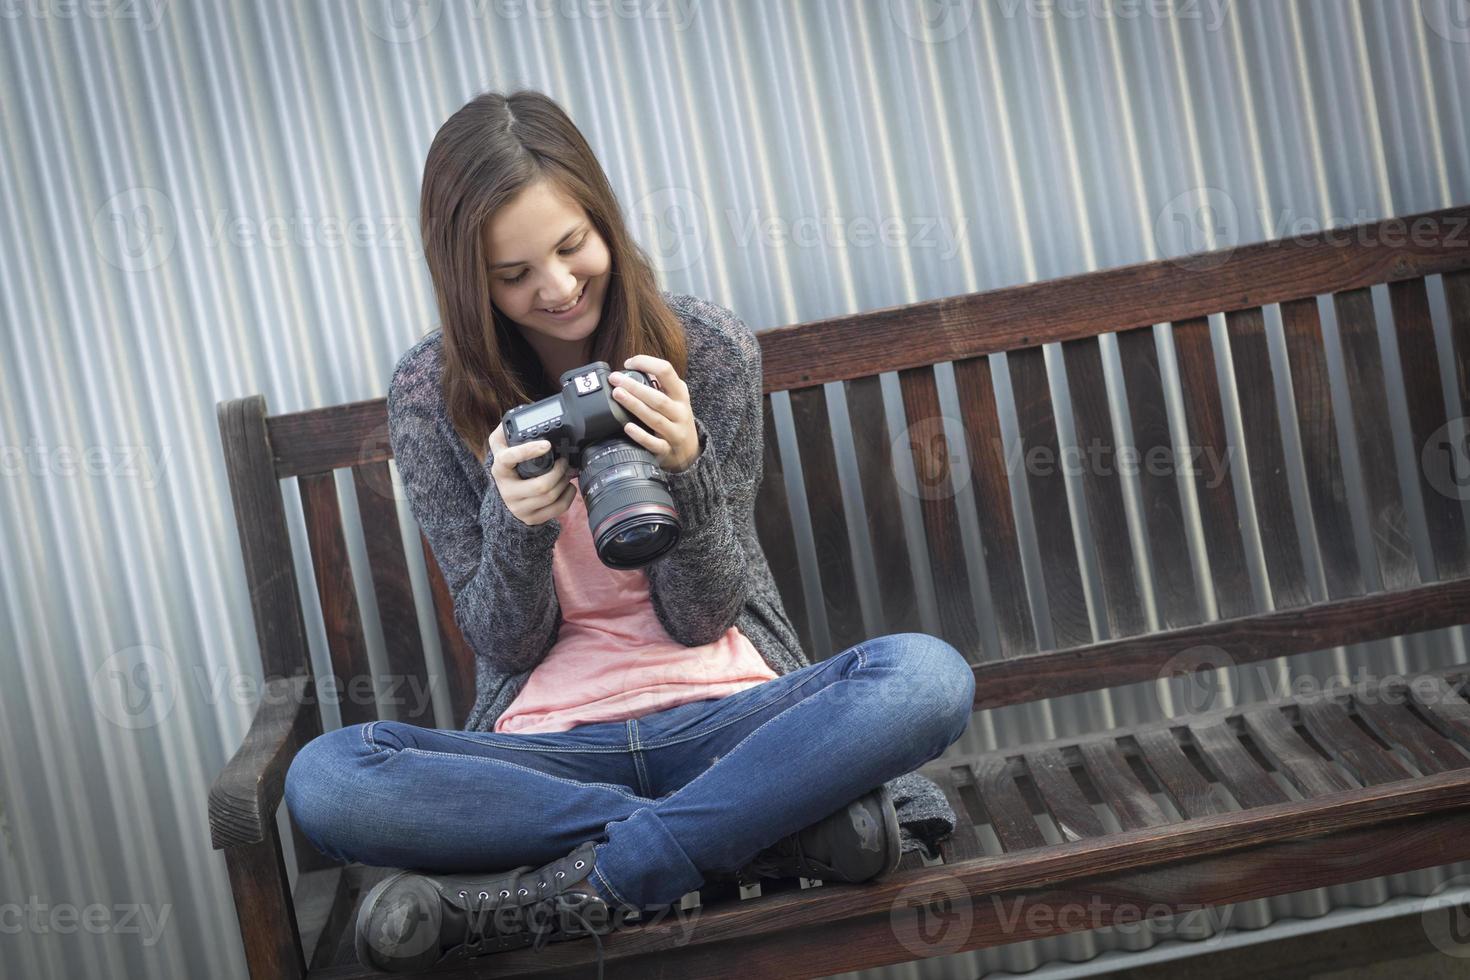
674	440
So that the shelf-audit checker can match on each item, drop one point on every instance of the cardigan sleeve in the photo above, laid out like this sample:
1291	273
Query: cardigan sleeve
699	587
497	568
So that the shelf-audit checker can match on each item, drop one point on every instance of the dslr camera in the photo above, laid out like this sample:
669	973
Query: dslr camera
629	508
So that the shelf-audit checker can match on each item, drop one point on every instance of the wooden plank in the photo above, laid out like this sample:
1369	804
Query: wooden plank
1457	302
459	659
266	912
1163	514
777	539
994	508
1335	731
1189	790
1119	787
1234	767
1290	753
933	462
406	688
1168	290
1047	489
1312	393
355	685
823	485
1010	817
1387	520
1074	816
1102	488
1219	513
964	843
1442	704
1414	331
1265	636
873	450
1393	722
1270	490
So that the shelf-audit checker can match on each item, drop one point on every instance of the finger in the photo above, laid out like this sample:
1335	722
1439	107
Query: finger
641	409
661	369
505	463
670	408
546	483
497	438
557	506
659	447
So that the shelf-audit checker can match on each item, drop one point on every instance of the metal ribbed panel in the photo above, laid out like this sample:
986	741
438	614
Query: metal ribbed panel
170	172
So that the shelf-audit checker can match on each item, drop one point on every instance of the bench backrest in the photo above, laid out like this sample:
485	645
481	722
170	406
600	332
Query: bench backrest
1083	622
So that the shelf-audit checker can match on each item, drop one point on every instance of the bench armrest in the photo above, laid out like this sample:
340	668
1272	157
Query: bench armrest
244	797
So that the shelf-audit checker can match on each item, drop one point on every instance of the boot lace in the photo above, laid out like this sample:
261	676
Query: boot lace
537	916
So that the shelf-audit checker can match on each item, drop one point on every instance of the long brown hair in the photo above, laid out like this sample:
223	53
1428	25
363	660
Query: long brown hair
482	157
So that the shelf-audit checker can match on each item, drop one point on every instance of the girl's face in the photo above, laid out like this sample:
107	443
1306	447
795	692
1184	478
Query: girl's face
544	252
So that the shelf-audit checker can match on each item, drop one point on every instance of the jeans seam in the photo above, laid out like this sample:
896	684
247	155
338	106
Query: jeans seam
498	736
623	790
597	872
643	783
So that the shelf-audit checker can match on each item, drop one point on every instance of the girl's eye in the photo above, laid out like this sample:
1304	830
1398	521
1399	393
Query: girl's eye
566	251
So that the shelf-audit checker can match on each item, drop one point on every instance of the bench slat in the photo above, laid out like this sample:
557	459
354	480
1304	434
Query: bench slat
1200	388
873	450
932	455
459	659
964	843
823	486
1233	766
1010	816
1189	790
338	598
407	684
1331	726
1301	323
1300	763
1074	816
1260	422
1170	566
1122	599
777	539
1457	300
1397	725
1414	332
994	509
1036	421
1119	787
1446	708
1387	519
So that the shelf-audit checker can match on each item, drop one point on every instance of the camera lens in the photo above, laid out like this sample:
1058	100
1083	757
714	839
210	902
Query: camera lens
631	514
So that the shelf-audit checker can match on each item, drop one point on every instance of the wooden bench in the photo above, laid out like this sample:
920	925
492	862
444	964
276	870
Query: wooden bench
1227	804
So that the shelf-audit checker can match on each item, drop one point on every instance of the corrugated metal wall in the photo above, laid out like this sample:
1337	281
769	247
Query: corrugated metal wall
205	200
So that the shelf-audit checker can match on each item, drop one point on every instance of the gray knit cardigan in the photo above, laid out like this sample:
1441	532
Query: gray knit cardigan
499	570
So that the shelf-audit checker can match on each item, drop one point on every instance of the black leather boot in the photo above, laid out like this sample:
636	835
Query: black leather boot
858	842
411	921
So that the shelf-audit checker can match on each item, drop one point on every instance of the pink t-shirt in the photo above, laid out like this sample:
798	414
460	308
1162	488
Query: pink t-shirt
613	659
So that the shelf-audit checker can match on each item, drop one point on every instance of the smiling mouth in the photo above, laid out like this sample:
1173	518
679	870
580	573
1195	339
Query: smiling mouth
567	306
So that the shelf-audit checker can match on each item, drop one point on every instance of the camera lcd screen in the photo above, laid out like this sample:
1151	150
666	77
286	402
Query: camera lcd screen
536	414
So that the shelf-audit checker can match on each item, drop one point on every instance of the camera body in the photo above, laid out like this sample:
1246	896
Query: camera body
582	414
629	507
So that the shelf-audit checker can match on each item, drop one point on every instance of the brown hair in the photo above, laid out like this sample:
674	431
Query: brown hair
482	157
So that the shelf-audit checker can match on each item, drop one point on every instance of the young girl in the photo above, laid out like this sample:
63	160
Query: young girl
633	730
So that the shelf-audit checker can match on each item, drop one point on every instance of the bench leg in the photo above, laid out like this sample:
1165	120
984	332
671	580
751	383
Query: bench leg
267	913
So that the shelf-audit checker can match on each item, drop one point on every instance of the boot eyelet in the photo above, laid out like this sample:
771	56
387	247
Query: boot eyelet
579	864
504	893
484	895
462	893
541	885
561	874
521	892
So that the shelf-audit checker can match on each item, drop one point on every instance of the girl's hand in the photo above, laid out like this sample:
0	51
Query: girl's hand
674	440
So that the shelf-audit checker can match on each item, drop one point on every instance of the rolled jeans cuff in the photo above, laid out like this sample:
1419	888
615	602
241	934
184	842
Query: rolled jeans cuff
641	863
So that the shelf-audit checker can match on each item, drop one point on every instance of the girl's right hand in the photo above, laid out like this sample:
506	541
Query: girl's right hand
537	500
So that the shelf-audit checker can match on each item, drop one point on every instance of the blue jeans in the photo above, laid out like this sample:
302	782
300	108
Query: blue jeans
702	786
